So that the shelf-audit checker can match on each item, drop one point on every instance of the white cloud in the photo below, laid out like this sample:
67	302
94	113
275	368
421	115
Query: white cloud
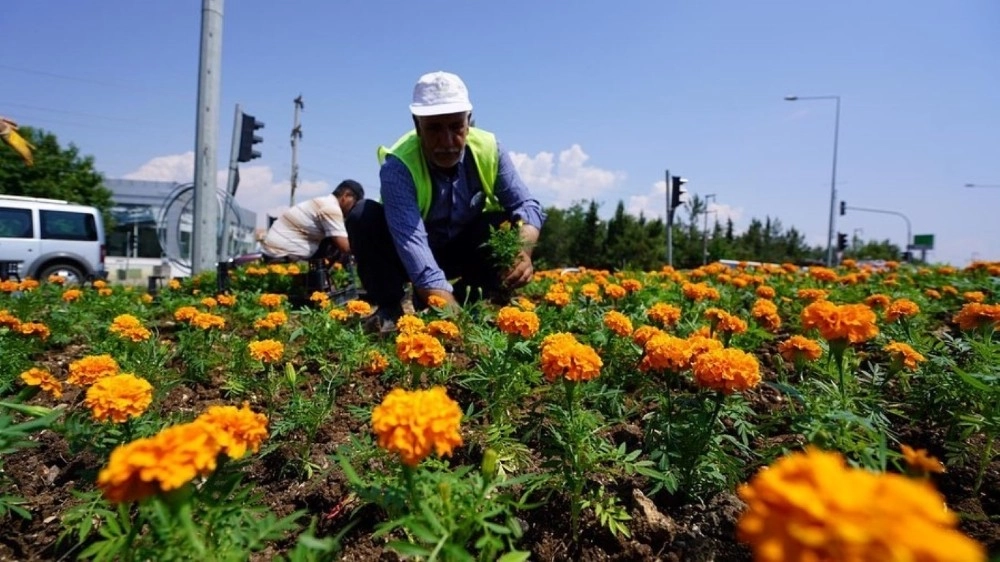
566	179
258	190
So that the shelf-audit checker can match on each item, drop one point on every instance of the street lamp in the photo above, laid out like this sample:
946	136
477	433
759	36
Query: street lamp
982	185
833	179
704	238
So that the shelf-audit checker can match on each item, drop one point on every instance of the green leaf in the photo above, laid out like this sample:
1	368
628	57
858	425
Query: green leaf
408	549
514	556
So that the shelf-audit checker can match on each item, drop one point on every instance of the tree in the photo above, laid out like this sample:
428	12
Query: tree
58	173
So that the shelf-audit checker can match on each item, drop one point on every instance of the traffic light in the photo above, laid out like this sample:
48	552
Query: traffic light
677	191
841	241
248	127
843	208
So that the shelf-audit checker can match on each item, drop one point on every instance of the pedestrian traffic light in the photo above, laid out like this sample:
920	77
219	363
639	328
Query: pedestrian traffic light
843	208
677	191
841	241
248	126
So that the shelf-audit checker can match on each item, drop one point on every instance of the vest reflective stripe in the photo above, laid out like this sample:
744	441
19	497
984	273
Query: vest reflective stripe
483	145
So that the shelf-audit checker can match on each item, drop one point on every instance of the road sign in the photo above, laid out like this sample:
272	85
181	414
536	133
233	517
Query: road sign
922	242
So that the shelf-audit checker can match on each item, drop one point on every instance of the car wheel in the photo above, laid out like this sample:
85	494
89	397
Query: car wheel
71	274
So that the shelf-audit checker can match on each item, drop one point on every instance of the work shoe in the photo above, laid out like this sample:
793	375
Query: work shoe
382	322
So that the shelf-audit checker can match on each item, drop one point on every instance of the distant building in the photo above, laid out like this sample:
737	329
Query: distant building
152	229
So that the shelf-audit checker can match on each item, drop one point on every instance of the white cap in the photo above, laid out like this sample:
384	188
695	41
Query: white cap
440	93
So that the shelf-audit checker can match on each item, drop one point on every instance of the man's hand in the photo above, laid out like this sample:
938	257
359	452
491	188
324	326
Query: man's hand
450	303
522	272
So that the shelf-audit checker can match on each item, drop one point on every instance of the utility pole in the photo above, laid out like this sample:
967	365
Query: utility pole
231	183
670	221
704	238
205	229
296	135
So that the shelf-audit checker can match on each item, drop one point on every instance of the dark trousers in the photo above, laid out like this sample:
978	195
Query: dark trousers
383	275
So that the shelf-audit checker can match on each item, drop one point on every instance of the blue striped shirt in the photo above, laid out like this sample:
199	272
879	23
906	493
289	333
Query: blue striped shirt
457	199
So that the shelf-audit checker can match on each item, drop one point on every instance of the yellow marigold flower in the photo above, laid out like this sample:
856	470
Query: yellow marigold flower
105	292
225	299
435	301
130	328
209	302
664	314
256	271
901	308
514	321
903	356
563	356
726	370
90	369
664	352
270	300
443	329
524	303
164	462
822	274
207	321
811	295
415	423
9	320
185	313
375	363
70	295
236	429
725	322
854	323
765	312
34	328
420	348
294	269
920	461
266	351
974	296
642	334
338	314
765	292
277	269
54	279
358	308
797	349
702	343
591	291
410	324
614	291
320	299
557	298
43	379
119	397
631	285
174	284
699	292
812	506
271	321
977	315
932	293
146	298
878	300
618	323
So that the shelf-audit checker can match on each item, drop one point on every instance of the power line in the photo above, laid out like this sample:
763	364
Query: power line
76	113
74	78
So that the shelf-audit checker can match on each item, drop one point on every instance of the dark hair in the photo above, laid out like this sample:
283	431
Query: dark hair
352	186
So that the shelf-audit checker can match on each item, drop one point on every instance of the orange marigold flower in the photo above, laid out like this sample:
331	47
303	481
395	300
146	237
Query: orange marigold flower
901	308
797	349
812	506
765	292
185	313
164	462
9	320
932	293
436	301
976	315
225	299
618	323
514	321
34	328
615	292
277	269
725	322
266	351
920	461
664	352
811	295
338	314
207	321
130	328
174	284
974	296
236	429
9	286
70	295
664	314
271	321
878	300
106	292
358	308
631	285
271	300
903	356
90	369
28	285
702	343
563	356
410	324
949	290
413	424
375	363
726	370
854	323
822	274
443	329
765	312
55	279
557	298
209	302
591	291
146	298
642	334
420	348
524	303
119	397
699	292
43	379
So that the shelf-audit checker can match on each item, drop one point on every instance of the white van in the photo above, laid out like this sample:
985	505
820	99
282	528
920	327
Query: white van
47	237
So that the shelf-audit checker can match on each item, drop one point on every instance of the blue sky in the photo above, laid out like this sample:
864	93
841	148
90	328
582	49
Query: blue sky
594	99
